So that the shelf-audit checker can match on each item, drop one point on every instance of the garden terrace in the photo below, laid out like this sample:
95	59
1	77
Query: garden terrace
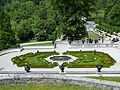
89	59
36	60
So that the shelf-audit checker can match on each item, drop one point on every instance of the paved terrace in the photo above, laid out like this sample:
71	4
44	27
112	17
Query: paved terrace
7	65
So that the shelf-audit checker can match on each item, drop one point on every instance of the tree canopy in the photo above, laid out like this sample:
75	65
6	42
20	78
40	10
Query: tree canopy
108	15
72	14
7	38
23	20
113	16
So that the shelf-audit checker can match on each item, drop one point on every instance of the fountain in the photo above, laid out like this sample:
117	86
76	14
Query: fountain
61	47
60	58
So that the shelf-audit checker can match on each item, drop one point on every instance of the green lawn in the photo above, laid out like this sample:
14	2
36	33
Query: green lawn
36	60
89	59
40	44
45	86
115	79
93	35
31	41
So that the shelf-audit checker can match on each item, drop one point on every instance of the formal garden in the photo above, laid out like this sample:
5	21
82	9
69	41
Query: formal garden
85	59
40	22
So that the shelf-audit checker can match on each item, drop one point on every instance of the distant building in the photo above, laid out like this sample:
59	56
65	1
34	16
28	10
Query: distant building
90	25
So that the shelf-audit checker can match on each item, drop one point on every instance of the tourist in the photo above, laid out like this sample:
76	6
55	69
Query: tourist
70	42
83	41
96	41
53	41
117	39
55	45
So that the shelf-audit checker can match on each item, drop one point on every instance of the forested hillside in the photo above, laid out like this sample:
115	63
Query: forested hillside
24	20
30	20
7	38
41	20
110	19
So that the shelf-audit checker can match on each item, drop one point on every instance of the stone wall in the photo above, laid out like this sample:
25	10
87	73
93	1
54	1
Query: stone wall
44	78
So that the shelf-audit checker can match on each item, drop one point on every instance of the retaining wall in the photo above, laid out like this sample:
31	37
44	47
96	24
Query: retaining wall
44	78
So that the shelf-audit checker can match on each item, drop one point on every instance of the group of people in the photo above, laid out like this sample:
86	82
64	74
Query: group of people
115	40
89	41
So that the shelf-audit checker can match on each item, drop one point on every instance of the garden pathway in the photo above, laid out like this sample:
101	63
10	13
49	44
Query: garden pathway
62	46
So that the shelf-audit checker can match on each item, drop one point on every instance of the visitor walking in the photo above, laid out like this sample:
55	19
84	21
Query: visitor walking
54	45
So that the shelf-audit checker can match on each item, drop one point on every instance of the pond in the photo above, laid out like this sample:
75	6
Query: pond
60	58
